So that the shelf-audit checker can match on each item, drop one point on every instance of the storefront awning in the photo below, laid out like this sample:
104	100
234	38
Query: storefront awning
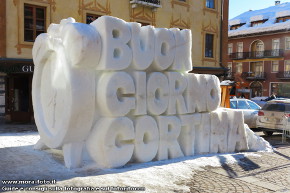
218	71
15	65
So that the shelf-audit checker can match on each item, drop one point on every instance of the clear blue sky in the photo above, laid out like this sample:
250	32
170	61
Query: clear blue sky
240	6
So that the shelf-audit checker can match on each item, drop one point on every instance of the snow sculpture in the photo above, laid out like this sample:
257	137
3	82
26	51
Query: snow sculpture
121	92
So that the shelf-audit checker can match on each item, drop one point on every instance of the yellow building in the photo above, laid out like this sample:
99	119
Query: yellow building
22	20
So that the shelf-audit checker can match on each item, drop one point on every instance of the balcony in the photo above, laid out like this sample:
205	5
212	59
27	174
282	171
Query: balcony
283	75
254	75
154	4
257	54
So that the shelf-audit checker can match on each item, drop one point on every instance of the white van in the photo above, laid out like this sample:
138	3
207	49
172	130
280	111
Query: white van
274	116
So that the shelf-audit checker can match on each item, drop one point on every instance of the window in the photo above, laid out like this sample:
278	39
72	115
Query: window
281	89
254	105
257	49
279	20
34	22
233	104
233	27
276	44
230	49
287	65
275	66
257	69
239	67
230	67
282	19
210	4
275	47
254	24
287	43
90	18
260	46
257	23
240	49
287	68
209	45
242	105
280	107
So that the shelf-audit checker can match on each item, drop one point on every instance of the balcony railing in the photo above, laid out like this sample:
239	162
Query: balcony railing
283	75
257	54
154	4
254	75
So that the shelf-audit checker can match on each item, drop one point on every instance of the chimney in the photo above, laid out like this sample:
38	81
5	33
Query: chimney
277	2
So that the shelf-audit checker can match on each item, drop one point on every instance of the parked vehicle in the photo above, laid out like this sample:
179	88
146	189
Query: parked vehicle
274	116
261	101
248	107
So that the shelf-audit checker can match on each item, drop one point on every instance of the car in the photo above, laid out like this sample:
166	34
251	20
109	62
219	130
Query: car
261	101
274	116
248	107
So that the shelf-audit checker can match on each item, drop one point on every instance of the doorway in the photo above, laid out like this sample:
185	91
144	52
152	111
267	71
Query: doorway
257	89
19	99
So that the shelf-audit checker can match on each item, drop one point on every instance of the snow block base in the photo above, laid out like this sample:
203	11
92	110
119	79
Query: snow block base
113	92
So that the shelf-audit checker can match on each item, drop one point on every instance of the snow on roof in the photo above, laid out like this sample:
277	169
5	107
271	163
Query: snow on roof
283	13
270	13
236	22
258	17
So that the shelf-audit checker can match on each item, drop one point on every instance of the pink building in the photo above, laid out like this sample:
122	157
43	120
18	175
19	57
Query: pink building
259	51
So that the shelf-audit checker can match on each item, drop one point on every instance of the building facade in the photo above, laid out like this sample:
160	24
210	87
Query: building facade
22	20
259	52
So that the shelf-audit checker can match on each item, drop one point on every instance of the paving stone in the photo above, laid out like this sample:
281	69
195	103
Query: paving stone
213	182
267	185
269	172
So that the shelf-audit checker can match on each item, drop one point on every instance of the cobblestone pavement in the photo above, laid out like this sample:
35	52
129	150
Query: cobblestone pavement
269	172
14	128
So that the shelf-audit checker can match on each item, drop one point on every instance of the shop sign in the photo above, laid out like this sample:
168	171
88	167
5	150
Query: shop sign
244	90
16	68
27	68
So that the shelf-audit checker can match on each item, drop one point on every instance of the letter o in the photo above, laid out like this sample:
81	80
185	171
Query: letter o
157	93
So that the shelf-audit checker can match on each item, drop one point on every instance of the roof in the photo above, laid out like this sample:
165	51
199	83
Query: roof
270	14
279	101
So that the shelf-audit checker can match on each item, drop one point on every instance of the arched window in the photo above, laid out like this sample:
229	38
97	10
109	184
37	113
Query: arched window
257	49
257	89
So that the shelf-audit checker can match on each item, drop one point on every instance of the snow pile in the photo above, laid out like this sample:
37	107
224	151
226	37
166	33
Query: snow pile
113	92
257	143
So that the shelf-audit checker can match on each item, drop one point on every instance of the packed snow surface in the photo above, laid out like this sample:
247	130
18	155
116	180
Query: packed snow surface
19	161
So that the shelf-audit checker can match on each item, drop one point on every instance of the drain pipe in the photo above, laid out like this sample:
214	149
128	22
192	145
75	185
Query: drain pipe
221	37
